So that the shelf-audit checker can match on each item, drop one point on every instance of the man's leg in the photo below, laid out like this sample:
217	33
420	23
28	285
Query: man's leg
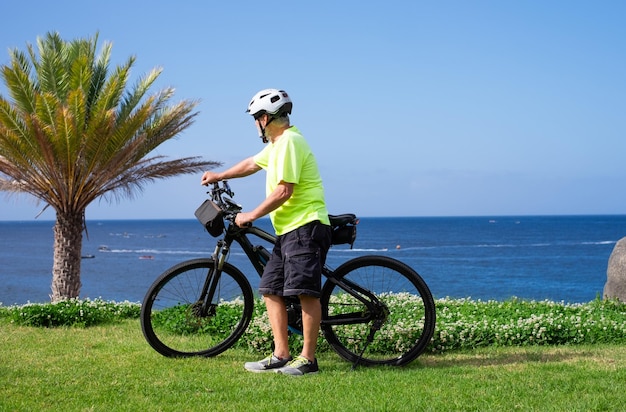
278	321
311	318
277	314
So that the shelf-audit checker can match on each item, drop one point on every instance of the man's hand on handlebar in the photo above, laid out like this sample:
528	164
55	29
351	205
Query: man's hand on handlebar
210	177
243	219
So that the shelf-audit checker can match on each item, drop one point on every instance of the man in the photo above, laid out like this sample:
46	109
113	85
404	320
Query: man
295	202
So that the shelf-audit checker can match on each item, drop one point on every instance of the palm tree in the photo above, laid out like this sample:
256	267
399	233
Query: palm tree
73	133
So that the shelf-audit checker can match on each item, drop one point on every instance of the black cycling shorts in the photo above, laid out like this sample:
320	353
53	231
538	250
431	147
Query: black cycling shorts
295	267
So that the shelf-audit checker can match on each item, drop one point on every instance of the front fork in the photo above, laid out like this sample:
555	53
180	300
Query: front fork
220	254
205	300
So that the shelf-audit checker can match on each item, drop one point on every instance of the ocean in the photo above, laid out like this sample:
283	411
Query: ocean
559	258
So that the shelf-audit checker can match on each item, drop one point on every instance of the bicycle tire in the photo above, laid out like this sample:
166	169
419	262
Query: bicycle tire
404	293
169	314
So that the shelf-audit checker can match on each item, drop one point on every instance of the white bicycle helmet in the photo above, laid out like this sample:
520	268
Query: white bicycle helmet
272	101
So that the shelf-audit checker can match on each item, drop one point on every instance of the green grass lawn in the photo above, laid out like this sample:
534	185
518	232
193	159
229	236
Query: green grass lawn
112	368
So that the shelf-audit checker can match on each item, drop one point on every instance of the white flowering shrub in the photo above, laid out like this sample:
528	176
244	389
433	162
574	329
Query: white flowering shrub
71	312
467	324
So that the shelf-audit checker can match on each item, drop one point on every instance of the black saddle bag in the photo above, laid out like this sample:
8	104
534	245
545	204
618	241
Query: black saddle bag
344	228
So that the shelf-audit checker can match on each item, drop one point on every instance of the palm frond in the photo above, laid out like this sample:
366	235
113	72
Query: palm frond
132	180
134	96
113	88
100	69
18	146
22	90
52	66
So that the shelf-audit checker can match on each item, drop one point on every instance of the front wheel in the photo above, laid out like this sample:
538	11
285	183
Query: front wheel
179	318
394	333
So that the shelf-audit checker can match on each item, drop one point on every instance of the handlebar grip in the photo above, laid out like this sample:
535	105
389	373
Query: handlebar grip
247	224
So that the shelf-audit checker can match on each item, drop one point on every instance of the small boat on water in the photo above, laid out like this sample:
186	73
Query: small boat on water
87	256
104	248
146	257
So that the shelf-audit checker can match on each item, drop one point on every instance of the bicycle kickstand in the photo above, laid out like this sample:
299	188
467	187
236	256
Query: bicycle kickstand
370	339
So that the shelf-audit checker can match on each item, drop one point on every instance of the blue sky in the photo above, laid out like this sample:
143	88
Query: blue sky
413	108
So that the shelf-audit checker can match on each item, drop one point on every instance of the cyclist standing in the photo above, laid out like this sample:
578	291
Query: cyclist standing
295	203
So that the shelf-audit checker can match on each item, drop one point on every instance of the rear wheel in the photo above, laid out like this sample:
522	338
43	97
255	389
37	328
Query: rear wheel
176	320
400	327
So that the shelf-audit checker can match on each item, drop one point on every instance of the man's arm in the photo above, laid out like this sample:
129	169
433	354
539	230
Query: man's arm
280	195
244	168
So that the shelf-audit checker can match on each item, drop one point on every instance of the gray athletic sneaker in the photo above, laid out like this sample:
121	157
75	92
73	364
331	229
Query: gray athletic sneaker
269	364
299	366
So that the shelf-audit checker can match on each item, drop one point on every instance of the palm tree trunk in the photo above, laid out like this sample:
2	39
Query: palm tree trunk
68	240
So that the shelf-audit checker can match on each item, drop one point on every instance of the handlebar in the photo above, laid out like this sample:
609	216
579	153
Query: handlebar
221	195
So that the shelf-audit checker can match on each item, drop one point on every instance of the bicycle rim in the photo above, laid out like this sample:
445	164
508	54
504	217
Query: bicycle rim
172	318
409	319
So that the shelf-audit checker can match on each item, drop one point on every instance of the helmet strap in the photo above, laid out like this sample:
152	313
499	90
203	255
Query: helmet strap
261	130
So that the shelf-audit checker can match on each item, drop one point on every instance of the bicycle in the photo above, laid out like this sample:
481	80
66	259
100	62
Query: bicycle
201	307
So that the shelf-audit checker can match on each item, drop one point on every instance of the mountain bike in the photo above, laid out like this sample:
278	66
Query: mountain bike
375	310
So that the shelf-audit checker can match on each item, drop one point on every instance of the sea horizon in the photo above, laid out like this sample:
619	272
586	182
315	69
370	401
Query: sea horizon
358	216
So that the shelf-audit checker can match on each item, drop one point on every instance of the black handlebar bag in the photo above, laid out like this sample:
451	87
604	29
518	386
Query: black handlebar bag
210	215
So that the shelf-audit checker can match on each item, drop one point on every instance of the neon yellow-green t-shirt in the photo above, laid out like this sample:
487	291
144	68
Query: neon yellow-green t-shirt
290	160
